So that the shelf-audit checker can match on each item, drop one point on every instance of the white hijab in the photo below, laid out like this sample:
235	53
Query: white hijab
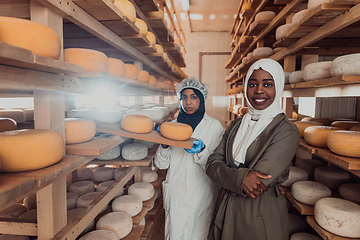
255	121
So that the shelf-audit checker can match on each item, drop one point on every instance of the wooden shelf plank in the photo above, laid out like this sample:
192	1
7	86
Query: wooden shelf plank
100	9
148	227
159	180
302	208
147	5
135	233
257	28
147	204
323	14
138	40
334	81
346	163
303	145
122	27
137	219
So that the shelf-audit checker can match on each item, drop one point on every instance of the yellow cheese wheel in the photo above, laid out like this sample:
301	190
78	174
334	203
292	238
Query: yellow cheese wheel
176	131
155	14
346	143
324	121
239	89
165	56
160	84
137	123
355	128
316	135
29	149
345	124
127	8
151	37
38	38
159	49
132	71
142	26
302	125
78	130
90	60
246	6
152	80
143	76
116	67
7	124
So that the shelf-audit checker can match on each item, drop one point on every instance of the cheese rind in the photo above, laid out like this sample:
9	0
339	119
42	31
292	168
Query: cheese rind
265	16
142	26
110	154
127	8
131	72
263	52
323	121
104	185
299	15
296	77
295	174
347	65
296	224
17	115
78	130
309	165
304	236
144	190
333	177
315	3
100	234
7	124
83	173
102	174
84	200
350	191
346	143
302	125
131	204
308	192
143	76
14	211
345	124
134	151
317	135
82	187
318	70
116	67
148	175
176	131
137	124
119	222
283	30
71	198
151	37
90	60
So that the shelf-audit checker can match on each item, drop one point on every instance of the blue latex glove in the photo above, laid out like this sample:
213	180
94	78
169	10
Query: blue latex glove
158	129
198	145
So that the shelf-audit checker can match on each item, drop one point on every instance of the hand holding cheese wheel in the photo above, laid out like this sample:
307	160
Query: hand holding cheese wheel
127	9
116	67
78	130
176	131
346	143
302	125
90	60
316	135
137	124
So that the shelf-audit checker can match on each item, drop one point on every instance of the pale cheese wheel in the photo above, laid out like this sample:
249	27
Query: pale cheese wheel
109	116
347	65
159	49
119	172
116	67
148	175
338	216
143	76
131	204
296	224
295	174
131	72
296	77
29	215
148	144
83	173
82	187
30	149
84	200
137	124
14	211
100	234
309	165
333	177
71	198
78	130
29	114
104	185
249	56
110	154
151	37
142	222
119	222
299	15
308	192
318	70
355	128
152	80
345	124
253	25
155	114
144	190
155	14
287	77
302	125
315	3
265	16
102	174
134	151
323	121
316	135
283	30
176	131
30	202
17	115
263	52
38	38
346	143
350	191
13	237
7	124
127	8
142	26
73	213
90	60
304	236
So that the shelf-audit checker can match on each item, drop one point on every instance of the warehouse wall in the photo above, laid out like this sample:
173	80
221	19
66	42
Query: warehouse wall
211	45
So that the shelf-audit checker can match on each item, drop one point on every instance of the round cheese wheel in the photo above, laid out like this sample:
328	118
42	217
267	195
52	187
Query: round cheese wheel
309	165
345	124
159	49
17	115
142	222
73	213
315	3
71	198
155	114
249	56
355	128
127	8
151	37
338	216
101	174
287	77
29	215
110	154
155	14
263	52
78	130
137	124
152	80
30	202
82	187
323	121
100	234
83	173
299	15
308	192
318	70
283	30
143	76
29	114
119	222
109	116
160	84
13	237
302	125
116	67
144	190
350	191
296	224
316	135
131	72
104	185
14	211
265	16
176	131
119	171
253	25
142	26
332	176
347	65
246	6
29	149
245	60
38	38
296	77
134	151
279	49
304	236
84	200
131	204
90	60
346	143
295	174
148	175
7	124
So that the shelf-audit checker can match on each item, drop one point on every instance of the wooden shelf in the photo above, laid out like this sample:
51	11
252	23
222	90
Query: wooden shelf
135	233
148	227
147	5
302	208
334	81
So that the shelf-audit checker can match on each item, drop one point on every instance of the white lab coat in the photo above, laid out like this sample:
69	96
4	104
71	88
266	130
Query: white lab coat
189	195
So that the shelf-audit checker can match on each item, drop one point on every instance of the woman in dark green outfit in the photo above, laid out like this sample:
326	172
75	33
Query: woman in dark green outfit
252	160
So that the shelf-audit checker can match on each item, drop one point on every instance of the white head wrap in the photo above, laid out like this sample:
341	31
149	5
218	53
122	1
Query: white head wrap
250	129
192	82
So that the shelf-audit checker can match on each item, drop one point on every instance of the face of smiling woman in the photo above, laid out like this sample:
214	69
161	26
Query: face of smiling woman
261	89
189	101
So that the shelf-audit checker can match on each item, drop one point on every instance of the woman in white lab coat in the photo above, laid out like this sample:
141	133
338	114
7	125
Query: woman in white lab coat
189	195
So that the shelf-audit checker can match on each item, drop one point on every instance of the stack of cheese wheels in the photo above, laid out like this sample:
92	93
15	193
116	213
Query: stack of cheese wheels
350	191
152	80
14	211
7	124
119	222
333	177
148	175
30	202
38	38
151	38
309	165
102	174
176	131
317	135
323	121
71	198
265	16
315	3
304	236
127	8
296	77
296	224
110	154
338	216
263	52
90	60
100	234
144	190
346	143
302	125
83	173
160	84
347	65
13	237
299	15
78	130
345	124
131	204
283	30
137	124
134	151
104	185
295	174
30	149
119	171
73	213
318	70
116	67
82	187
142	26
17	115
132	71
309	192
143	76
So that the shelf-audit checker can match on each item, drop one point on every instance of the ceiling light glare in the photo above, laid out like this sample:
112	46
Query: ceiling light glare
212	16
196	16
185	5
183	16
